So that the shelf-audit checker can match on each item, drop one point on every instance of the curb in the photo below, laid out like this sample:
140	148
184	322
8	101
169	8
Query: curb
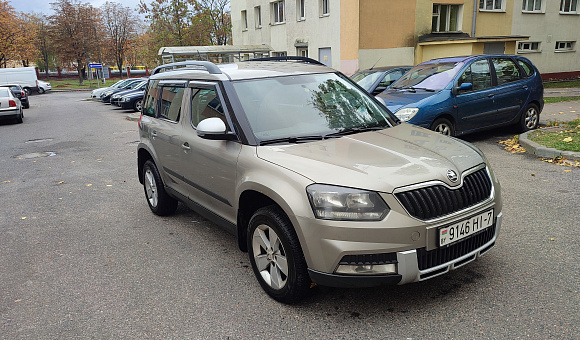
543	151
133	116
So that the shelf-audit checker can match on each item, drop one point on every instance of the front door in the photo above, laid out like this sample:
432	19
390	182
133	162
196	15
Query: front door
476	106
209	166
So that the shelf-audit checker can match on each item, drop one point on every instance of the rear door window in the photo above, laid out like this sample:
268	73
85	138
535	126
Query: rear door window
171	97
506	70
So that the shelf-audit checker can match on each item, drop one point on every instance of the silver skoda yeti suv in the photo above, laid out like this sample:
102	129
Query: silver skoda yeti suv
316	178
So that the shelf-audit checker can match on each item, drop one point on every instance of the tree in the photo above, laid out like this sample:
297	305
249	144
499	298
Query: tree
17	36
121	26
216	14
76	31
43	42
28	35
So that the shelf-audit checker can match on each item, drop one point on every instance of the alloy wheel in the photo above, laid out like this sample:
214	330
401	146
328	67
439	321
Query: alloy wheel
270	256
151	188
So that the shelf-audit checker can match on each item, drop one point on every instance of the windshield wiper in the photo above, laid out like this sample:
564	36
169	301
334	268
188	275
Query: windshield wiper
414	89
350	131
296	139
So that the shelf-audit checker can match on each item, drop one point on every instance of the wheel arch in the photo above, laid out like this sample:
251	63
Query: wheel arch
143	156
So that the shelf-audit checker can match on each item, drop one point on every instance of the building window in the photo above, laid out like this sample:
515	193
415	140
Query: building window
532	6
258	16
278	12
491	5
301	10
302	52
324	7
446	18
244	21
528	46
569	6
565	46
279	54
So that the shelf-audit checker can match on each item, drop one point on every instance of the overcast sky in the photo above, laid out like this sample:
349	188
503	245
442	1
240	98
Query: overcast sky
43	6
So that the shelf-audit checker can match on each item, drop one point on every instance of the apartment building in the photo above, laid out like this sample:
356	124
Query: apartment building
349	35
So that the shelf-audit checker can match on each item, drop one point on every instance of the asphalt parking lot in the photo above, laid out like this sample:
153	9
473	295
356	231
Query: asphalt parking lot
83	257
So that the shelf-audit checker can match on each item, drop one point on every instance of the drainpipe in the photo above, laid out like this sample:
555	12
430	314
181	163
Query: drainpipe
474	18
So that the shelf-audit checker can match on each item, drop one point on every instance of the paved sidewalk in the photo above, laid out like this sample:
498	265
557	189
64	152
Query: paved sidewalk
562	92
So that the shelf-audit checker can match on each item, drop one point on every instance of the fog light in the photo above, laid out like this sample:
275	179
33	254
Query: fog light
367	269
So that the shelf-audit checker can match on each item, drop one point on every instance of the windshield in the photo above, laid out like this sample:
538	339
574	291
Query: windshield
308	105
432	76
366	79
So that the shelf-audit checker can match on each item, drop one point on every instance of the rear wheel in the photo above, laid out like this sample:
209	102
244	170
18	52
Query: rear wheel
19	117
443	126
530	118
41	90
276	255
159	201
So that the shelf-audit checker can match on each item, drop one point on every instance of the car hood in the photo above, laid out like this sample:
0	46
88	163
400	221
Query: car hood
396	99
380	161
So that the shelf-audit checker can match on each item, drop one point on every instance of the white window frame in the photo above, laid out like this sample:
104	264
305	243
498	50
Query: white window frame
302	51
528	47
280	54
448	18
244	20
300	10
275	10
258	16
324	8
534	3
565	46
571	7
483	6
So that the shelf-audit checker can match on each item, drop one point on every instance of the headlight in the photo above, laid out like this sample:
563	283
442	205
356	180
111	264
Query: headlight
407	113
346	204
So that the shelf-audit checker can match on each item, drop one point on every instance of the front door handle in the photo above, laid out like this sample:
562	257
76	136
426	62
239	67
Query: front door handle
525	87
186	146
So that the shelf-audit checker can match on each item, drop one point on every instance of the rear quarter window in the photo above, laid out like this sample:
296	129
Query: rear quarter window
528	69
150	105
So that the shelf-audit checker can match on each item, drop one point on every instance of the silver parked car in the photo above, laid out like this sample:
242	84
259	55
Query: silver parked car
316	178
10	105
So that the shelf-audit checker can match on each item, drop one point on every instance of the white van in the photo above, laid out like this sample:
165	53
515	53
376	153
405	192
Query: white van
23	76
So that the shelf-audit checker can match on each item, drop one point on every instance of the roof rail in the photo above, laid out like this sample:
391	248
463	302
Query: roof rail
289	58
209	66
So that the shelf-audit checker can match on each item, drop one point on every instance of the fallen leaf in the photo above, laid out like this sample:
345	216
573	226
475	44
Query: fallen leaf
534	175
23	218
552	239
567	170
89	185
6	182
567	139
61	182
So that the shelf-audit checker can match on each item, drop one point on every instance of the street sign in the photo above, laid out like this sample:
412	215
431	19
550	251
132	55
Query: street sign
95	66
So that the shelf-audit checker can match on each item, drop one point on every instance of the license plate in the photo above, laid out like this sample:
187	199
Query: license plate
457	231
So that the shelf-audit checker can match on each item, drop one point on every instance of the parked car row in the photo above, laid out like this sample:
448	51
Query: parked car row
459	95
127	93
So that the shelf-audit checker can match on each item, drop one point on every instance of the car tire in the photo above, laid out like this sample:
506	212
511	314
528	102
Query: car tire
19	118
530	118
27	90
41	90
276	256
137	105
26	106
159	201
443	126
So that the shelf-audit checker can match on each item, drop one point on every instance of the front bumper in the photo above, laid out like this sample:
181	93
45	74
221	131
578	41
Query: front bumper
418	264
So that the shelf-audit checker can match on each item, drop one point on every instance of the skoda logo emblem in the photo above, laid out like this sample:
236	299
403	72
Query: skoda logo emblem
452	176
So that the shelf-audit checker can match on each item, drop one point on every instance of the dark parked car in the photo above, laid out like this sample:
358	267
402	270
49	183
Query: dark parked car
377	79
460	95
132	100
20	94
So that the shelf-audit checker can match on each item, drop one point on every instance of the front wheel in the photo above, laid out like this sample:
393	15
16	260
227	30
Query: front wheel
443	126
137	105
276	255
530	118
159	201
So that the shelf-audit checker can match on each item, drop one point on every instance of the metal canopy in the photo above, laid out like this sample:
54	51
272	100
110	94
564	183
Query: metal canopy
221	53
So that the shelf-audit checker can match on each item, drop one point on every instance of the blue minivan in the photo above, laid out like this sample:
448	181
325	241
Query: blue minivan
460	95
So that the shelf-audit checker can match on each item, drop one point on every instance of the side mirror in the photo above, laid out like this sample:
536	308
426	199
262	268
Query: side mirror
465	87
215	129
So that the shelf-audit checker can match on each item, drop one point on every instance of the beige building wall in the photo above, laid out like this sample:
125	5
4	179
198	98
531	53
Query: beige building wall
547	27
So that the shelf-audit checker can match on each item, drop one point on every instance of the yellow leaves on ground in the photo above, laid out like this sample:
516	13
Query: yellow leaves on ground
512	145
567	139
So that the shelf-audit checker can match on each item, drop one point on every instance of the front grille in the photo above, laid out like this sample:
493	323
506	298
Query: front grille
368	259
438	200
435	257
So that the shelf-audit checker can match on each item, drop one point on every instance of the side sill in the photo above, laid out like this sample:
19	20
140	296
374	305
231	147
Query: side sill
210	215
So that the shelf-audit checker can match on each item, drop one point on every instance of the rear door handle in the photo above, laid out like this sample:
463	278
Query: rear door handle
491	95
525	87
154	133
186	146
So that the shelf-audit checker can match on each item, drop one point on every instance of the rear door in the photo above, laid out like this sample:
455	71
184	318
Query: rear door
512	90
476	107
